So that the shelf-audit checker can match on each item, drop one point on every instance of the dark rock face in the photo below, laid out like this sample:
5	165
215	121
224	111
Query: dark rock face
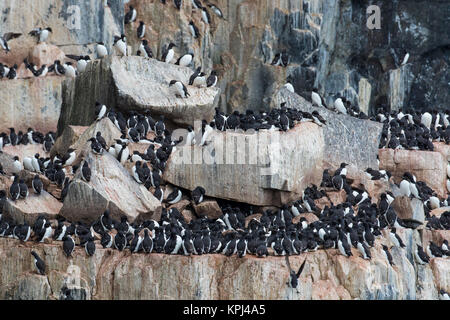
351	55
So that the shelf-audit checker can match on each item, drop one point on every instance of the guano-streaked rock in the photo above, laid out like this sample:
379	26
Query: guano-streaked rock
347	139
111	187
264	168
135	83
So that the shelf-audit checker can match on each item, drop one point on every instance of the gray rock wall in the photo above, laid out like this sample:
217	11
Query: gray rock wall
364	64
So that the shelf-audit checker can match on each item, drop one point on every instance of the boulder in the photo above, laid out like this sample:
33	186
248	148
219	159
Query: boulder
347	139
125	84
427	166
109	132
188	215
438	211
437	236
111	187
70	135
23	151
441	274
443	149
180	205
69	25
408	209
263	169
44	53
207	208
31	207
34	102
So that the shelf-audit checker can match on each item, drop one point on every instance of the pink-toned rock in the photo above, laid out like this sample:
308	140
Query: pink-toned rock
235	165
443	149
337	197
111	187
31	207
44	53
327	290
322	202
108	130
208	208
427	166
409	209
310	217
441	273
180	205
19	50
438	211
33	102
188	215
23	151
437	236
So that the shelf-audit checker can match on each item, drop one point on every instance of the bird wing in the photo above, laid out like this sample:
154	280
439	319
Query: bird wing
287	262
73	57
11	35
35	32
301	268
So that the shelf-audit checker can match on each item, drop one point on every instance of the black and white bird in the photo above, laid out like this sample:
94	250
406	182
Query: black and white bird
89	245
96	147
174	196
101	50
41	34
6	37
190	137
420	255
68	245
37	184
197	194
205	16
315	98
141	30
131	15
23	189
212	79
86	172
194	30
145	49
339	106
185	60
178	88
317	118
168	53
207	129
395	238
38	263
216	10
17	165
69	157
293	276
388	255
82	61
100	111
120	45
69	70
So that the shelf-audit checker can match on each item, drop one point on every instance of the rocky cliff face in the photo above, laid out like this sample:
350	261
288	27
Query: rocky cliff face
111	274
329	46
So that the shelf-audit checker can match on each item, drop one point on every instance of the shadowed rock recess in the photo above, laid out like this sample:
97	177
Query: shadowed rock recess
269	188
